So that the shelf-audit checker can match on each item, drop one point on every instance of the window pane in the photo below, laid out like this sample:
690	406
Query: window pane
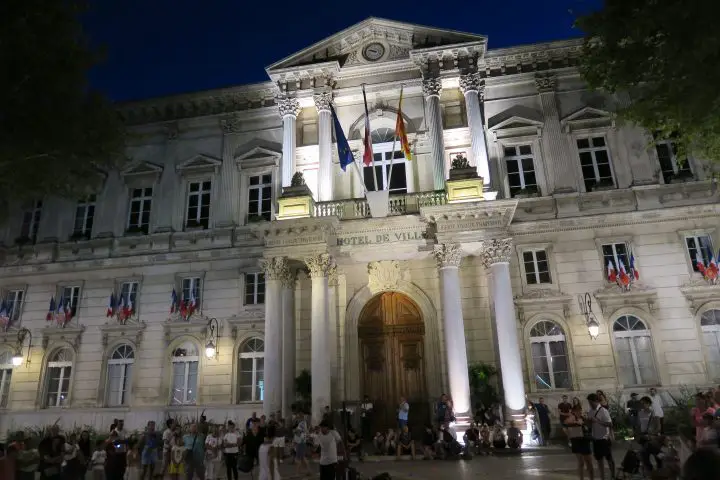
178	385
398	182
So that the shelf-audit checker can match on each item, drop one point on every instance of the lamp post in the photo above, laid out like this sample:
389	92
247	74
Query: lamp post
211	338
17	358
585	303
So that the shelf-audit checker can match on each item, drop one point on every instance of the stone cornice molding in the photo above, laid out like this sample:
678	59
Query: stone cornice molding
288	106
474	221
699	292
320	265
230	124
322	101
546	82
275	268
447	255
114	330
564	51
472	82
448	55
69	334
496	251
542	300
431	86
611	299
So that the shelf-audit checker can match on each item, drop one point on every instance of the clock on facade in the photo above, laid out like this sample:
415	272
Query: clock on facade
374	51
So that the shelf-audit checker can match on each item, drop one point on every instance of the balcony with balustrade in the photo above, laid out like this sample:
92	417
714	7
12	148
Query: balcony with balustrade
399	204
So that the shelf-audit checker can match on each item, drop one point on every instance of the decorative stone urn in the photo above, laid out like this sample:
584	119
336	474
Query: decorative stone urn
296	200
464	184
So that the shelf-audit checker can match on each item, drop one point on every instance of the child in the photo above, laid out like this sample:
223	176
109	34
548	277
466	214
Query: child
177	459
133	463
97	461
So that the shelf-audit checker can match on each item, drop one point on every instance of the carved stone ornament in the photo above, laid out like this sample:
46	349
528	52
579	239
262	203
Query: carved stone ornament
275	268
71	335
699	292
545	83
288	106
611	299
319	265
323	101
298	180
132	331
288	280
497	251
542	301
230	124
447	255
471	82
431	87
385	275
333	276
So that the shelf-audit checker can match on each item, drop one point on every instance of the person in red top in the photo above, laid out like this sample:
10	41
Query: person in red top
696	415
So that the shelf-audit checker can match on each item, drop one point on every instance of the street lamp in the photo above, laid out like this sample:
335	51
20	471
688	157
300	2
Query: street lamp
585	303
211	340
17	359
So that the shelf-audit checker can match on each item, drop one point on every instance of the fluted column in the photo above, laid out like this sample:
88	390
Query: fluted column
320	266
288	342
448	259
325	177
227	197
168	210
289	109
496	257
473	89
557	157
108	220
333	330
431	89
275	269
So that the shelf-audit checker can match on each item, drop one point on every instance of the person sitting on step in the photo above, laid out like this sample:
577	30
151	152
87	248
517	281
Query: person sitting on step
430	438
498	438
514	437
379	443
390	442
353	444
405	443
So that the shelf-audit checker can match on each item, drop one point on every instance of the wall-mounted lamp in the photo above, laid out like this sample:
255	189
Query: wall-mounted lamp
17	359
591	322
211	338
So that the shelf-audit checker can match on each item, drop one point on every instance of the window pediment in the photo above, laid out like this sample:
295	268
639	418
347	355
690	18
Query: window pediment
115	331
258	157
611	299
71	335
142	170
248	320
586	118
542	300
699	292
199	164
515	122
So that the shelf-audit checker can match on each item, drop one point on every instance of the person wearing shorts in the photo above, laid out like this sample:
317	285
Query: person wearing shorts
600	424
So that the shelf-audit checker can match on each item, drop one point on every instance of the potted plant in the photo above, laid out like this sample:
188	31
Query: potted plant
464	184
296	200
681	176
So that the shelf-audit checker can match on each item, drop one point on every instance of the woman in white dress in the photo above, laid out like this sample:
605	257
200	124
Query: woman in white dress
268	458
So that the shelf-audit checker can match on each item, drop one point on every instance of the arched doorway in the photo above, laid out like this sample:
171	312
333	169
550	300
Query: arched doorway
391	333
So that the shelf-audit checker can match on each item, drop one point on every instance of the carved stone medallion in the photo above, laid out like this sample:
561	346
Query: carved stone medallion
385	275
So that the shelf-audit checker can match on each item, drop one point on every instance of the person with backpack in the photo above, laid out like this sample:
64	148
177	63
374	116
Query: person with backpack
646	433
598	417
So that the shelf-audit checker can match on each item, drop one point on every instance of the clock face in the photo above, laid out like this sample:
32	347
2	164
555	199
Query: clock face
374	51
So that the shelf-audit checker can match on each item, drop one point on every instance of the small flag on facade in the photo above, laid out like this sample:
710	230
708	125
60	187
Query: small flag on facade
367	140
400	130
173	301
111	306
51	310
612	274
344	153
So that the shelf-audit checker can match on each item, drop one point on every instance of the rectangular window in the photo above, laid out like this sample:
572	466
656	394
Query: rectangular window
58	374
191	289
672	167
13	304
31	221
198	206
139	211
129	291
398	180
521	170
595	162
537	269
5	378
699	246
71	297
84	216
615	253
254	288
260	197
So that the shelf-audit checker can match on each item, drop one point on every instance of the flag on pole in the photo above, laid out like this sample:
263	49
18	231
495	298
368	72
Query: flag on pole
633	269
367	141
624	278
400	130
4	314
111	306
344	153
51	310
699	263
612	274
173	301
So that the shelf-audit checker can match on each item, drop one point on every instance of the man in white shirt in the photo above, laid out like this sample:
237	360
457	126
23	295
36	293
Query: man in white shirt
328	440
600	425
403	412
657	408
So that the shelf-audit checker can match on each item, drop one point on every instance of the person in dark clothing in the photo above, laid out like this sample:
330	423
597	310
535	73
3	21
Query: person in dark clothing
51	456
252	441
253	418
115	458
430	438
633	407
542	413
85	446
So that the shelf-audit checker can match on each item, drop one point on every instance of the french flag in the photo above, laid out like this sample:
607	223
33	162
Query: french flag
173	301
68	311
612	273
127	306
4	314
624	278
193	302
367	141
59	309
51	310
112	303
183	307
699	263
712	268
633	270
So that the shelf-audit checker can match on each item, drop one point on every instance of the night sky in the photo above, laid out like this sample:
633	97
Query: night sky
163	47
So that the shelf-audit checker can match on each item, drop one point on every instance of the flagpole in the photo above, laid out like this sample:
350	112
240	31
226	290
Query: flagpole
369	139
360	175
392	152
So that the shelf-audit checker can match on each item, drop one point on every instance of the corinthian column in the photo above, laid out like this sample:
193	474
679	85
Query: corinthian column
288	342
431	89
325	178
448	261
289	109
320	266
275	269
554	142
496	257
473	88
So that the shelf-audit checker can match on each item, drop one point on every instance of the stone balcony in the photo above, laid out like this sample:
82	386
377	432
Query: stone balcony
401	204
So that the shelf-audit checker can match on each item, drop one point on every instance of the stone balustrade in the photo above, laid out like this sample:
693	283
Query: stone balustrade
402	204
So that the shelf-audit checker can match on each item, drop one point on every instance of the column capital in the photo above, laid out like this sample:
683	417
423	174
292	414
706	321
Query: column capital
447	255
288	279
323	101
320	265
333	276
288	106
472	82
497	251
545	82
275	268
431	86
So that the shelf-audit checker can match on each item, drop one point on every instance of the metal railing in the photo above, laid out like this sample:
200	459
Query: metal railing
403	204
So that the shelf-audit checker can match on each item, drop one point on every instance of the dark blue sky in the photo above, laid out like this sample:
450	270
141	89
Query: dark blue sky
163	47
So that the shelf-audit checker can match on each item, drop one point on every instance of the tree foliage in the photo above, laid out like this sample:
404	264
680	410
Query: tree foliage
57	135
666	55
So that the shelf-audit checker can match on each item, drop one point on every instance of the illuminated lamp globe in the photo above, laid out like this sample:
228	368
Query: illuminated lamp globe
17	359
593	328
210	350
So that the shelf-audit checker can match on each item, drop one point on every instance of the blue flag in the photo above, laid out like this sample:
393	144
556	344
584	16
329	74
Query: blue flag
344	153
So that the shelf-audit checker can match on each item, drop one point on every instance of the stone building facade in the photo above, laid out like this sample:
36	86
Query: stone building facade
388	307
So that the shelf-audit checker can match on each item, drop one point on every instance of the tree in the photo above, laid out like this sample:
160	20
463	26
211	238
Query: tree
57	135
664	54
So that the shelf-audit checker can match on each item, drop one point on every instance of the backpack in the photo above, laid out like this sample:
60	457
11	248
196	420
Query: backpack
630	463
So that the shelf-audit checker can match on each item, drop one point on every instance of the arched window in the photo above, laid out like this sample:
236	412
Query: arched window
119	374
382	139
551	368
59	375
6	369
252	365
710	325
633	344
185	361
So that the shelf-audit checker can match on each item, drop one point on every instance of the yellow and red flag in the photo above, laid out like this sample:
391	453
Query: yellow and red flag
400	130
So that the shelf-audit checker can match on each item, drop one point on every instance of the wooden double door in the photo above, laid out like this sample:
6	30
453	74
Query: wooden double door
391	333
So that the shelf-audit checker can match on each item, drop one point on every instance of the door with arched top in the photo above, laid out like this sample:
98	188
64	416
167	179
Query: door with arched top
391	333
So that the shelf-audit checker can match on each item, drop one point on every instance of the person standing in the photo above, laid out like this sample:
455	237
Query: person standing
329	441
148	448
252	441
657	408
633	407
121	447
231	447
268	457
600	424
403	412
564	410
195	453
580	445
168	442
542	413
444	410
366	415
212	454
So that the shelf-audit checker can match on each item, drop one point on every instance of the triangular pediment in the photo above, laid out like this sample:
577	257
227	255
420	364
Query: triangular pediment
517	116
397	39
589	117
199	162
258	153
142	169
